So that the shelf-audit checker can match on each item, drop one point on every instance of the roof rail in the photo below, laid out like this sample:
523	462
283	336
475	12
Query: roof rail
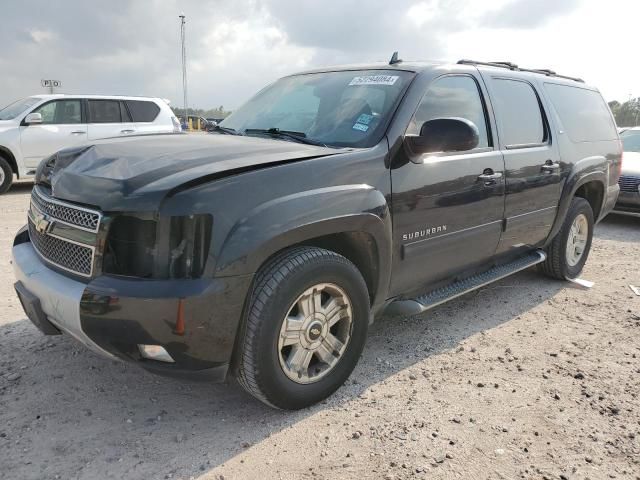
514	67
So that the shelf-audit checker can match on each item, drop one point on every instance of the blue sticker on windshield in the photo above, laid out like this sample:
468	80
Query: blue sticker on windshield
361	127
364	118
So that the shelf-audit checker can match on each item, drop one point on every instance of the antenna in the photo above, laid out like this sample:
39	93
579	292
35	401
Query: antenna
394	59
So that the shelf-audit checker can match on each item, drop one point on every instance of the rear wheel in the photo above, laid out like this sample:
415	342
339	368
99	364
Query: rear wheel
6	175
568	252
305	328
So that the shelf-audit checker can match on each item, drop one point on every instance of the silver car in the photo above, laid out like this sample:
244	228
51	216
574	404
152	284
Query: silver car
629	198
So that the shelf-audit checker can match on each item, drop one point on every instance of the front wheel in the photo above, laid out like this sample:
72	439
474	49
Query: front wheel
568	251
305	328
6	175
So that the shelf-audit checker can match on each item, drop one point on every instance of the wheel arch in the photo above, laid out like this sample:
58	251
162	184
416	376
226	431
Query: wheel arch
588	181
10	158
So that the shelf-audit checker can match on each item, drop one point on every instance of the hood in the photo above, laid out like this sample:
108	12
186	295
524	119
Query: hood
631	164
110	174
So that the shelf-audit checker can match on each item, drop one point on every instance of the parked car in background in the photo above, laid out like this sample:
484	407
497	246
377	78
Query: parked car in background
629	198
35	127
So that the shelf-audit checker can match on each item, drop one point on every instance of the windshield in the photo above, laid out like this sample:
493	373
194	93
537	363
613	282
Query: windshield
342	109
16	108
631	140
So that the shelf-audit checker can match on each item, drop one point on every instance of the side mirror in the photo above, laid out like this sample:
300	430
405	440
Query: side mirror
444	135
33	119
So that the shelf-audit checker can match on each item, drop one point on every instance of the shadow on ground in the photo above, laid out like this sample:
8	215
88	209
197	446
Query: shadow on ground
619	227
74	414
19	188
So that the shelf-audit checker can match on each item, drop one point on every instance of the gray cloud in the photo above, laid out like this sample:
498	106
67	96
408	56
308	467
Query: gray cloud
234	48
529	13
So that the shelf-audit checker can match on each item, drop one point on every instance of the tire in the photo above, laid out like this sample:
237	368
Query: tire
559	263
6	175
264	364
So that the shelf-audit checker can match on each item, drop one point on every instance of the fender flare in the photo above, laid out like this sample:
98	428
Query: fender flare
585	171
8	155
298	218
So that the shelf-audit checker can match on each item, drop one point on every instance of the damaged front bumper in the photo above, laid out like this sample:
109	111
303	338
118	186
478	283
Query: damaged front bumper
195	321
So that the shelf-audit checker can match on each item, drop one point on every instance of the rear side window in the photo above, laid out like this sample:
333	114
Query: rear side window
452	96
142	111
631	140
104	111
518	113
583	113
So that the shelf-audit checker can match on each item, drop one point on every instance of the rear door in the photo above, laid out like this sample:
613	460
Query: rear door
532	161
108	118
62	126
447	207
147	118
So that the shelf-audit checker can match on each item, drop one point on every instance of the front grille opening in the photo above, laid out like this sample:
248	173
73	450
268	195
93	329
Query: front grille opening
130	247
629	183
66	255
78	216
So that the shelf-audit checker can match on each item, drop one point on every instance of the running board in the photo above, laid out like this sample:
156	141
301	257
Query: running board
469	284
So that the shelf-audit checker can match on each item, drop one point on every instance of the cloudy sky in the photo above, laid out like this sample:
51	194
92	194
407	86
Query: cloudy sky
235	47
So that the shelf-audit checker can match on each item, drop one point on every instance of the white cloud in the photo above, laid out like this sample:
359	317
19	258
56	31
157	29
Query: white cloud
592	43
42	36
422	12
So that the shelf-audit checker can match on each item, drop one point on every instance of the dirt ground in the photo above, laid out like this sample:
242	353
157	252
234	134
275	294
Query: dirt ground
527	378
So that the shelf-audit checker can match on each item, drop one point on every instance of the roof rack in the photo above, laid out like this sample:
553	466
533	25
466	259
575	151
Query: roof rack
514	67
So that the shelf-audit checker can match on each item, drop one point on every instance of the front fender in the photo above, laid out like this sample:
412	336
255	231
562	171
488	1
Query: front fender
300	217
586	170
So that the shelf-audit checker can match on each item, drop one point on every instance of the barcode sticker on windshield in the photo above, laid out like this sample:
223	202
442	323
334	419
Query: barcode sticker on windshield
374	80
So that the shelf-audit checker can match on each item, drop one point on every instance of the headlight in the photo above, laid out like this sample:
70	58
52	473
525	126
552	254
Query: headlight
146	247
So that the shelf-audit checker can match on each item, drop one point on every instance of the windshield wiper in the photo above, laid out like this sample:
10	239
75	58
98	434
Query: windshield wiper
225	130
300	137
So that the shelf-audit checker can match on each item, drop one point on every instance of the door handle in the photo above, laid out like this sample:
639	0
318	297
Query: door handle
127	131
550	166
78	132
489	177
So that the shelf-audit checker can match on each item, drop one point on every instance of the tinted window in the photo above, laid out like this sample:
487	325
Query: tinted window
583	113
61	112
631	140
456	96
518	113
104	111
142	111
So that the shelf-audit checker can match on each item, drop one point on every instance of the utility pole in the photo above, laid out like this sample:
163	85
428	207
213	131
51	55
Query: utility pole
184	63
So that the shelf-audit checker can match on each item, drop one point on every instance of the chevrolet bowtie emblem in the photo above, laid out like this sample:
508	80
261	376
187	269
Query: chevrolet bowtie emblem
315	331
42	222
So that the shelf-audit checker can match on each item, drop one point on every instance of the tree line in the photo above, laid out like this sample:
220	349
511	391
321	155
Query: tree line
218	112
627	114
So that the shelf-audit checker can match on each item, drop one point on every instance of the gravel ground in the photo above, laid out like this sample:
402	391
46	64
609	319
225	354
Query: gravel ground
527	378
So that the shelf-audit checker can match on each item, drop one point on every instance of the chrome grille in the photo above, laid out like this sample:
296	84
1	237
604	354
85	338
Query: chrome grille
629	183
66	255
71	214
51	230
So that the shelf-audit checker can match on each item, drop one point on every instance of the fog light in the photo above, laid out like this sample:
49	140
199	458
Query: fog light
155	352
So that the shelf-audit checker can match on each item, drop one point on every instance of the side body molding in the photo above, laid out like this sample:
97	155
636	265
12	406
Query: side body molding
303	216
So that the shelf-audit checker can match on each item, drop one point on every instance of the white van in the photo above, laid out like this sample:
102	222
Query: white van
35	127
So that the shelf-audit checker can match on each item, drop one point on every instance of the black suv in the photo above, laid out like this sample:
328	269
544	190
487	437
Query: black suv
265	248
